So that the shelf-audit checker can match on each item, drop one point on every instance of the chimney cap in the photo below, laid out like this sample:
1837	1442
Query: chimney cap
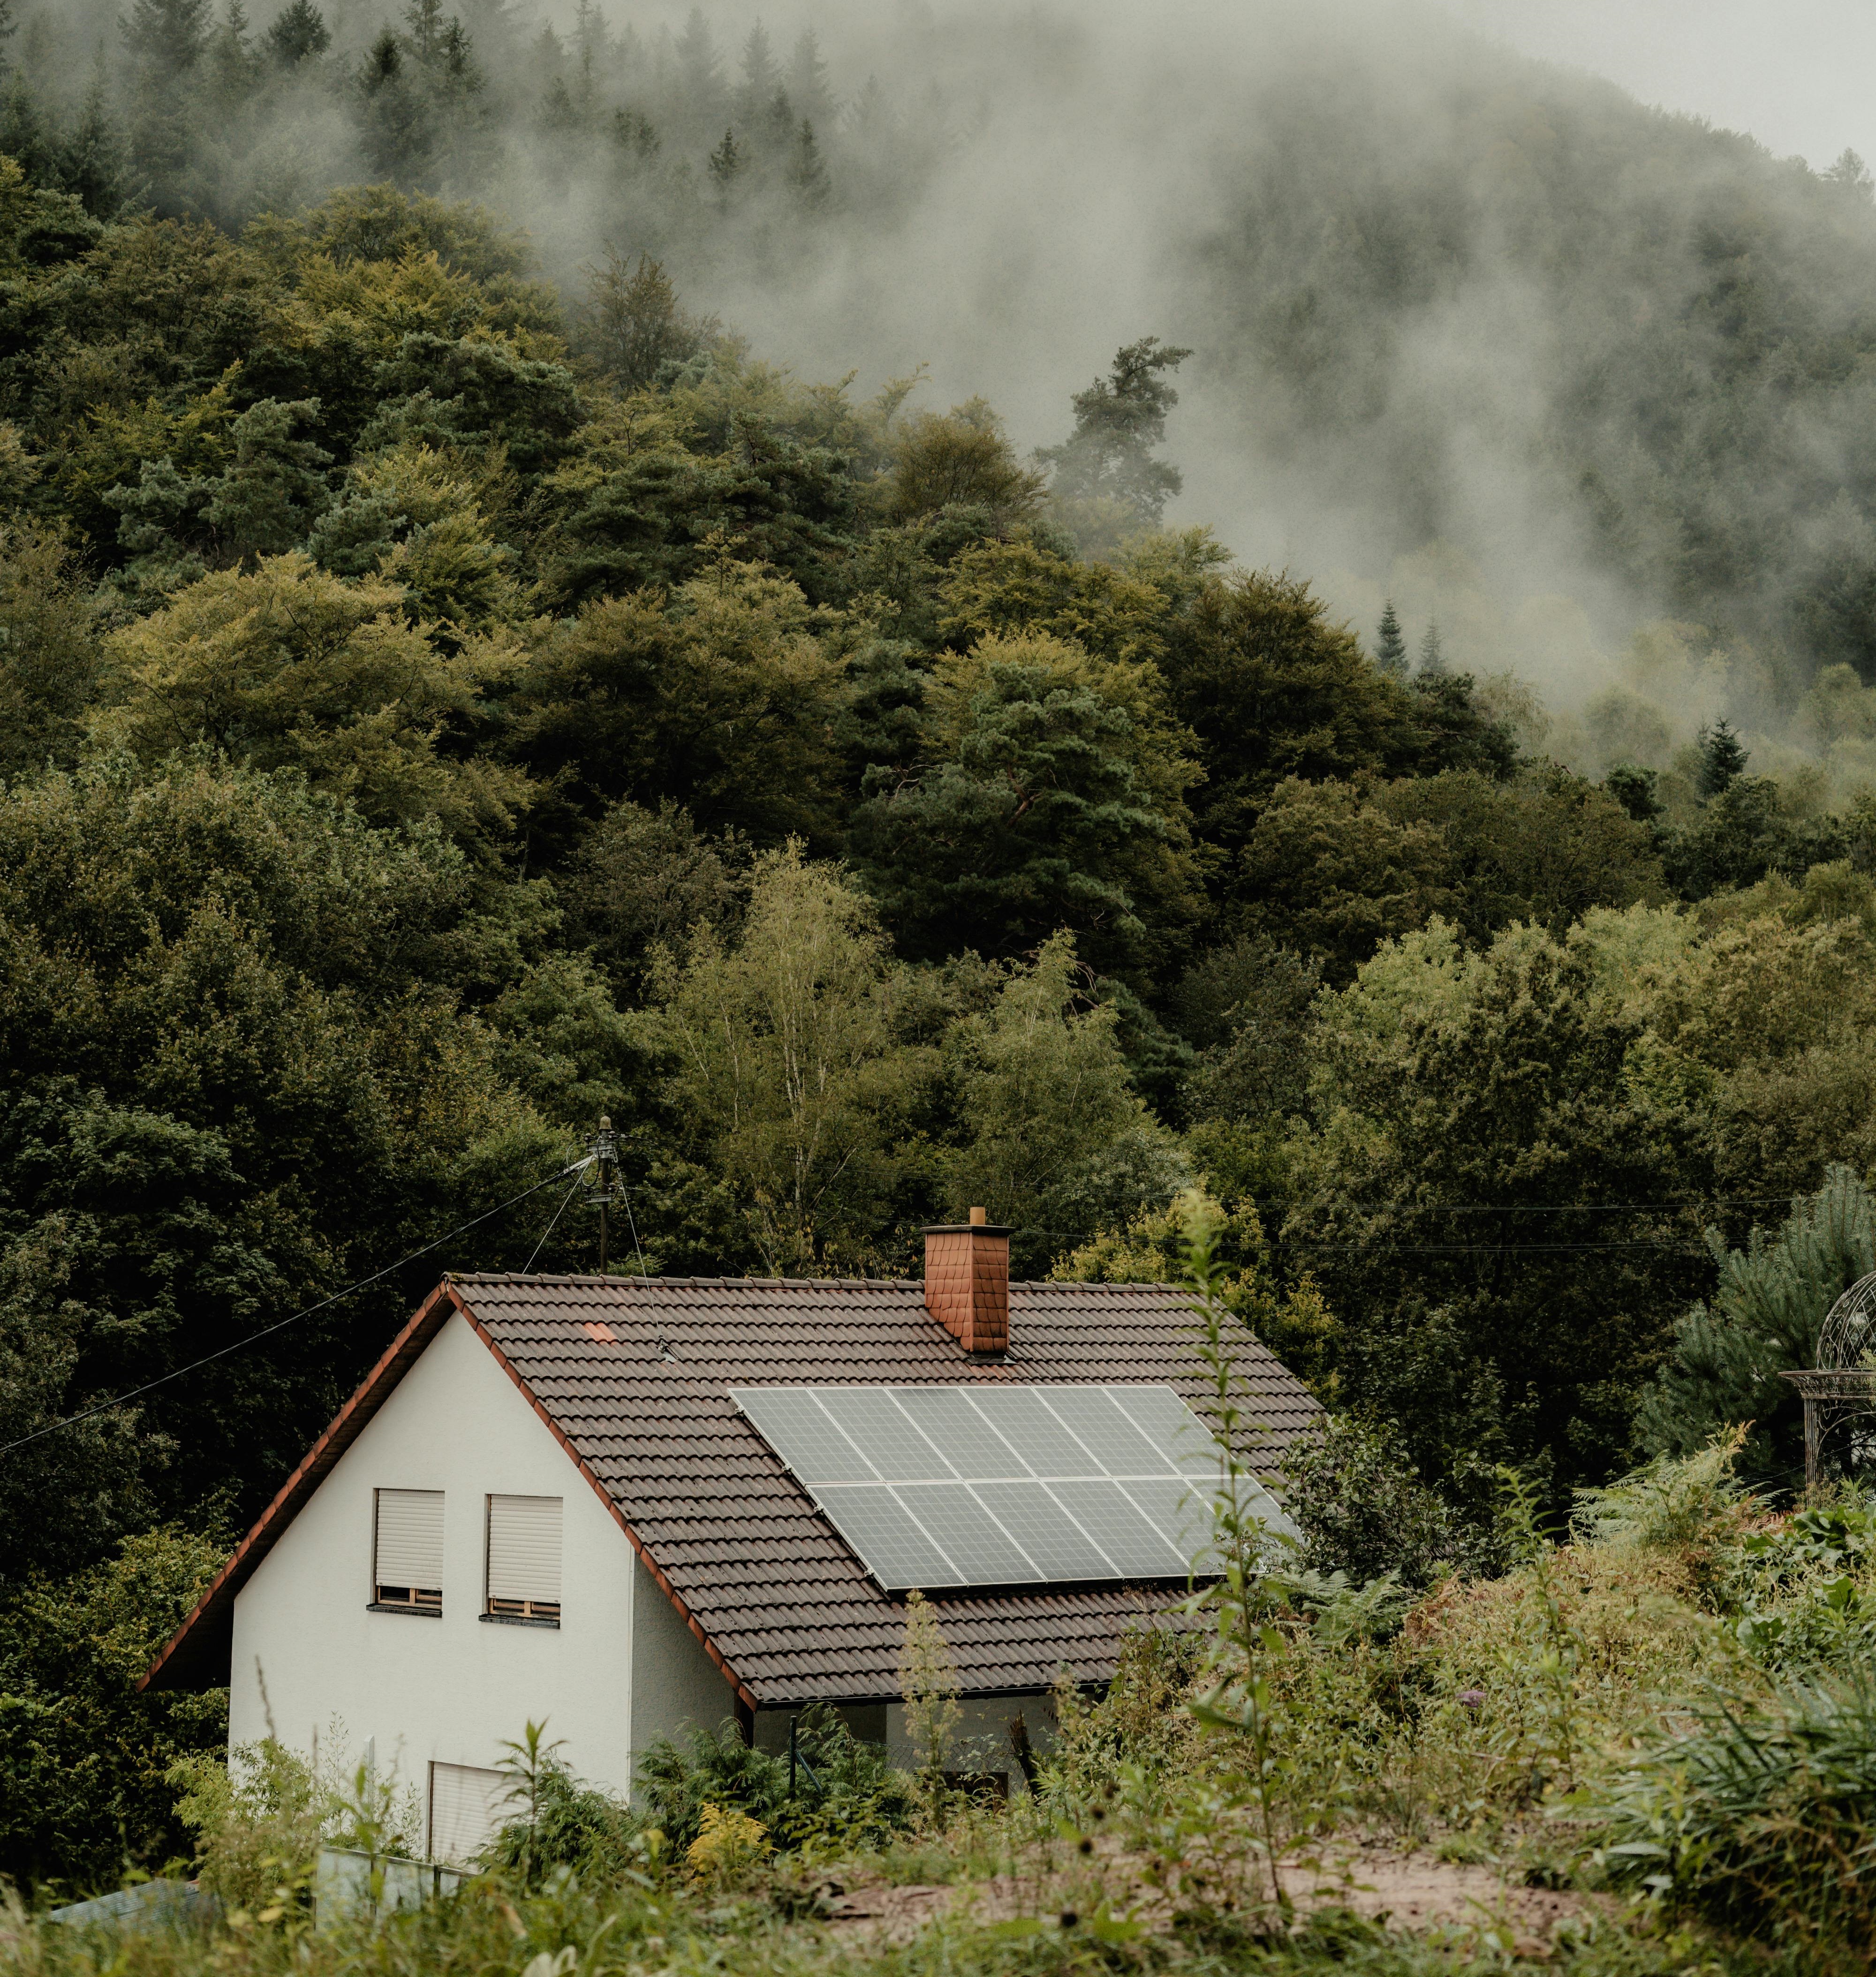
969	1227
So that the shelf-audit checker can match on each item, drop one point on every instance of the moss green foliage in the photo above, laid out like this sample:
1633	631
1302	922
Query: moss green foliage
90	1792
439	705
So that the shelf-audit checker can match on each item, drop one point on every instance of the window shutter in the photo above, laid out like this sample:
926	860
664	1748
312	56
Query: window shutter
524	1556
408	1568
466	1808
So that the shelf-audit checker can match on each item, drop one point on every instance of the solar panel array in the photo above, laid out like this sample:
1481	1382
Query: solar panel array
951	1487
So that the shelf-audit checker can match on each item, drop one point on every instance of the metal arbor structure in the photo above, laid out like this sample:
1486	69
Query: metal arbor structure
1841	1387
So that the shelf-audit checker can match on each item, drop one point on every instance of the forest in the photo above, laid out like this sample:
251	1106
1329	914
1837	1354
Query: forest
458	684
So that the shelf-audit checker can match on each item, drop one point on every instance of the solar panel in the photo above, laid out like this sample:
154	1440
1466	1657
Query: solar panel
950	1420
1138	1549
992	1485
1061	1549
798	1428
1037	1434
1170	1425
972	1539
1118	1448
883	1432
1175	1508
891	1541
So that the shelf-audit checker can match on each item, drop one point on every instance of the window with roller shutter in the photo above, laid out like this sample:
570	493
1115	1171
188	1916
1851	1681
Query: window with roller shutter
406	1550
467	1807
524	1558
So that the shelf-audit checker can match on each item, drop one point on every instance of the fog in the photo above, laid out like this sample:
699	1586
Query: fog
1456	334
1795	75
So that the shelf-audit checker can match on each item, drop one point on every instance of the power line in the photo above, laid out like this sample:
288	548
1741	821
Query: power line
1706	1202
280	1325
528	1266
1665	1246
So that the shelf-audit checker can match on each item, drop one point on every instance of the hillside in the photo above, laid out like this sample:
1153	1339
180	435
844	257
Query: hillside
460	682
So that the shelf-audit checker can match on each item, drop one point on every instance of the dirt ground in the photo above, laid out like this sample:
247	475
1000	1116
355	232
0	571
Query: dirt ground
1413	1892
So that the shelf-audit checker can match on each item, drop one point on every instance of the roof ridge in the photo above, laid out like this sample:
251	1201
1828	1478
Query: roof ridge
617	1280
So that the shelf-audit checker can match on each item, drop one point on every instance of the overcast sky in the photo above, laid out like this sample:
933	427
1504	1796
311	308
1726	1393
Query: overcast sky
1800	74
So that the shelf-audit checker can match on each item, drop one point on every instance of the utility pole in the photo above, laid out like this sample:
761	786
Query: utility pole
604	1148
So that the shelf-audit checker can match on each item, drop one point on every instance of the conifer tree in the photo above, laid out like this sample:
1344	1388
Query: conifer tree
637	324
231	59
809	89
92	160
635	137
1390	647
1432	652
1722	760
166	38
700	68
725	164
424	21
1118	419
590	37
297	33
23	133
807	174
396	126
762	75
779	134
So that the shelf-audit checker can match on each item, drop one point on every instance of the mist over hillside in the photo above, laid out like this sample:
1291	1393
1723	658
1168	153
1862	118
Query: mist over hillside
1483	335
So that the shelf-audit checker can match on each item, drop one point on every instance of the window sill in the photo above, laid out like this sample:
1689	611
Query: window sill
416	1612
517	1620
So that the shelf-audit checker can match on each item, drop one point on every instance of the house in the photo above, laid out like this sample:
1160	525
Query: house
625	1505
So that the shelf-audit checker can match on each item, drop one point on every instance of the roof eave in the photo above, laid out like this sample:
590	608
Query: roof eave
199	1655
207	1635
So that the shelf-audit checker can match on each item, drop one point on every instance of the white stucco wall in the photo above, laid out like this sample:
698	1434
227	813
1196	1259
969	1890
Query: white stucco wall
449	1688
675	1686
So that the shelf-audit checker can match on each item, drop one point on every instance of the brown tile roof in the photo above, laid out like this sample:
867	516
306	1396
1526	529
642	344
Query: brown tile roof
633	1375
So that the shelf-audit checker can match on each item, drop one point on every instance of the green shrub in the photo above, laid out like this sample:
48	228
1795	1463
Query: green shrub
846	1795
1762	1817
1364	1511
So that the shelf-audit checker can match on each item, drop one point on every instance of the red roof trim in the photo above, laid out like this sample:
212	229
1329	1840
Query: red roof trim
210	1628
605	1496
200	1651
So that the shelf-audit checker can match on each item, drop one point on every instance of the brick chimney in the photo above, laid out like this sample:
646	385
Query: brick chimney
967	1283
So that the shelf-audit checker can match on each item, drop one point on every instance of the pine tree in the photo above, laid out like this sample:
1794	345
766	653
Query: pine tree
165	38
700	69
1118	421
762	75
91	160
299	33
809	89
873	114
232	61
1432	652
635	137
637	326
560	114
396	127
1722	760
1852	174
807	174
424	20
726	163
779	134
590	36
1390	647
